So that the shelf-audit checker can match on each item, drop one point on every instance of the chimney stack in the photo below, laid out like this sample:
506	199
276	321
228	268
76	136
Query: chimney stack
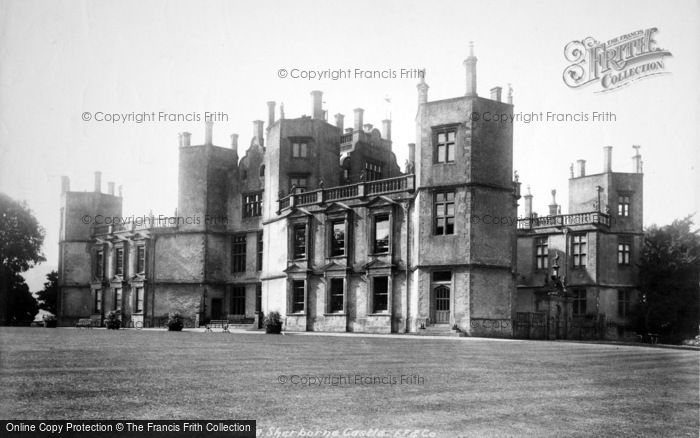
65	184
368	127
528	203
637	160
358	118
607	159
422	90
110	188
98	182
386	127
185	139
554	207
270	114
316	105
581	167
258	132
208	132
470	65
339	121
496	93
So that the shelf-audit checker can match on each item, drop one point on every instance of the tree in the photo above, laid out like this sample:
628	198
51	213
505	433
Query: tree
22	306
47	296
670	280
21	238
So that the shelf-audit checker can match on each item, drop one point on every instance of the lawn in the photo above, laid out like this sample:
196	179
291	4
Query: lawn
469	387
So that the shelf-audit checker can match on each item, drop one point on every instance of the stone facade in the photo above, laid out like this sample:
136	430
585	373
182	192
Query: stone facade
605	224
318	222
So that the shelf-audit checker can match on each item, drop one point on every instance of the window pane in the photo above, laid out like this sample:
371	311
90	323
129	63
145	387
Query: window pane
298	296
439	226
380	294
336	295
381	234
338	239
441	154
450	227
451	136
299	241
441	137
450	153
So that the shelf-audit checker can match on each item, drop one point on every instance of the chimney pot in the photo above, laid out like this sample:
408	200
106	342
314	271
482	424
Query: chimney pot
270	114
98	182
637	160
422	90
528	203
110	188
65	184
339	121
317	105
510	94
386	127
470	65
208	132
607	159
496	93
234	142
554	207
581	167
358	118
258	132
185	139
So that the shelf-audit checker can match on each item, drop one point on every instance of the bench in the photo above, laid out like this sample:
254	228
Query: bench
217	323
84	323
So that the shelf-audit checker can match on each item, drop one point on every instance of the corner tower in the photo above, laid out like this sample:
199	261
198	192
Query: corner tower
464	211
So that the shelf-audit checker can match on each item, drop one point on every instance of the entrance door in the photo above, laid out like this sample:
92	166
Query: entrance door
216	308
441	304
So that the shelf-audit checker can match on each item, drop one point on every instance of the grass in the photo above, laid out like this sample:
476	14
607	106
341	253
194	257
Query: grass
471	387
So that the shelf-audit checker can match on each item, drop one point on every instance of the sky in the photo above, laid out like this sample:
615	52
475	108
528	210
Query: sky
61	59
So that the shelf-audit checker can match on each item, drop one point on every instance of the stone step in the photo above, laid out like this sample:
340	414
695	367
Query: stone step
440	330
241	326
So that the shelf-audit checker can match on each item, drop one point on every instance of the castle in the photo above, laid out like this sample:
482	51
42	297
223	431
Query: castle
318	222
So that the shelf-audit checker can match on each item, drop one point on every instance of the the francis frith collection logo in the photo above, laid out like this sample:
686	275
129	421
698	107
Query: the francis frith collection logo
616	62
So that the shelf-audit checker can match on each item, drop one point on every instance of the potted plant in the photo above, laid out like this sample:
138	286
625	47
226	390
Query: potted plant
175	322
112	321
50	321
273	323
